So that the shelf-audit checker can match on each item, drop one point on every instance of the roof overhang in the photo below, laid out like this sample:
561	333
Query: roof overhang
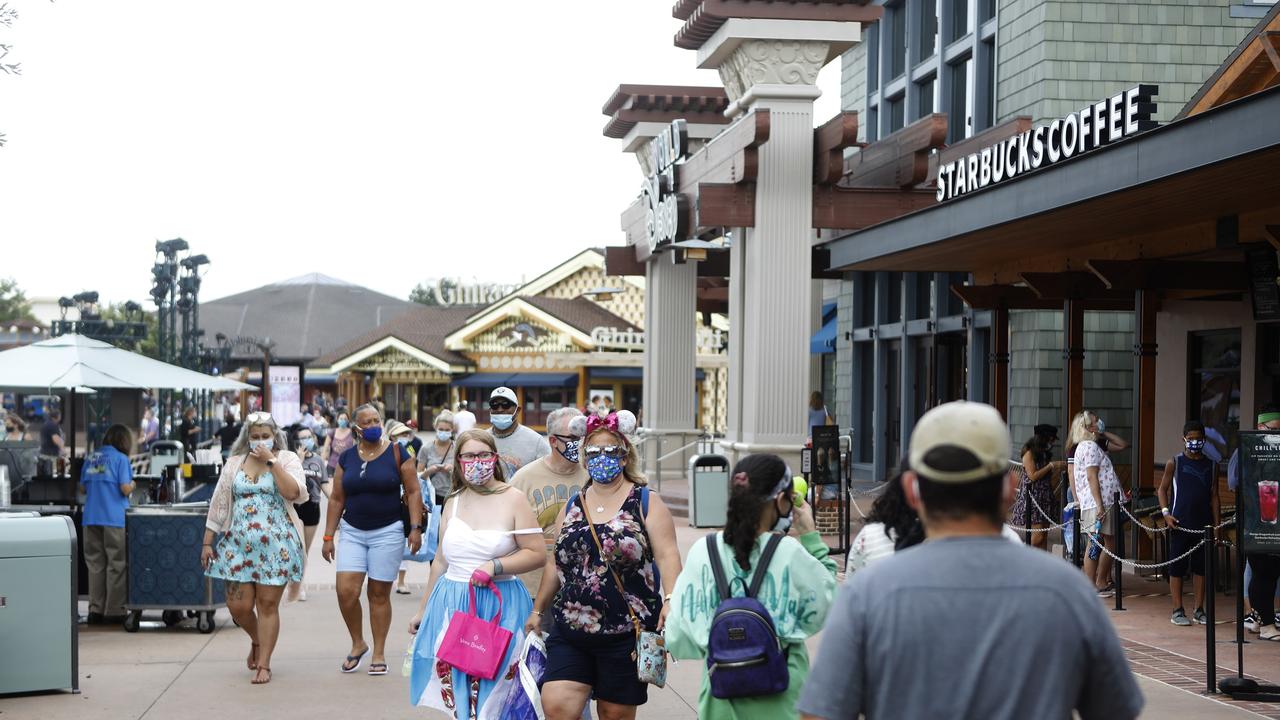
1213	165
392	342
514	306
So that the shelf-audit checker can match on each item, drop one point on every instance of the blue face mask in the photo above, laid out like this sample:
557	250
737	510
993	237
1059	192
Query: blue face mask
604	469
502	422
268	444
343	422
404	441
309	444
444	435
571	450
372	434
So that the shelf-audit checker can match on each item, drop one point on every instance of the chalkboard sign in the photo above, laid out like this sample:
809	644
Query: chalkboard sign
1257	513
1263	272
826	455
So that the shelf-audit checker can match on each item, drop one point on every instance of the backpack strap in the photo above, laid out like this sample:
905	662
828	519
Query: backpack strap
762	565
717	568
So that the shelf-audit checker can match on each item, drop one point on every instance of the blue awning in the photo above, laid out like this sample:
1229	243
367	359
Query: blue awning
483	380
824	341
543	380
628	373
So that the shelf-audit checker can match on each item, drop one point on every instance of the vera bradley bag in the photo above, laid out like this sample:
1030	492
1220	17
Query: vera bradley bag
650	652
474	646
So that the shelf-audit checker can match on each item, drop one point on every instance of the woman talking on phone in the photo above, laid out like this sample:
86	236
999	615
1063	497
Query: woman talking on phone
253	537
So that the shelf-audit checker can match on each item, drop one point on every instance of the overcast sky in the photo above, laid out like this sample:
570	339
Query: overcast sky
383	142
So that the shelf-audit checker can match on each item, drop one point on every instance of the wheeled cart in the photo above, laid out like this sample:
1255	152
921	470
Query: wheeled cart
164	566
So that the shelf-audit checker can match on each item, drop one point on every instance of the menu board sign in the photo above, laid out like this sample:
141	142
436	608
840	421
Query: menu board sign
826	455
1258	516
1263	274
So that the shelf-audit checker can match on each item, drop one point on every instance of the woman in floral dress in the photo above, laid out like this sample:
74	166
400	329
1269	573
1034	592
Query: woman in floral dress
253	537
589	650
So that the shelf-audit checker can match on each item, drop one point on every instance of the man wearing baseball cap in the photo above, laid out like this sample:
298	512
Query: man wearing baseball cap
518	445
957	626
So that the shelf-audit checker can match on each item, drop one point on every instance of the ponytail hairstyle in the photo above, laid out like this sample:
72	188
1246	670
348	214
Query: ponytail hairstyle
752	487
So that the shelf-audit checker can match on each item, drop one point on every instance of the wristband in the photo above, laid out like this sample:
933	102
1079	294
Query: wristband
327	538
1165	511
497	566
537	612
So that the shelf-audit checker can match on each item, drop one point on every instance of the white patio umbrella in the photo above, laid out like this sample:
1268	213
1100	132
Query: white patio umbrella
73	363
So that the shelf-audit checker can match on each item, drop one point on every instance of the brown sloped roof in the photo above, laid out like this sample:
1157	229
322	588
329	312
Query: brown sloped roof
1250	68
579	313
422	327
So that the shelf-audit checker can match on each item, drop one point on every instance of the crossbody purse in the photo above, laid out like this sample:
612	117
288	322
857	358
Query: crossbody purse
650	653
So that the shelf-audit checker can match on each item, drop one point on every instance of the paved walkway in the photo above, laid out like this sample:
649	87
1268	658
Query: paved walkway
161	673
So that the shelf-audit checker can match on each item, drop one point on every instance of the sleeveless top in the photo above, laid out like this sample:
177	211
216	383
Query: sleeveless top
337	446
588	600
1193	490
466	548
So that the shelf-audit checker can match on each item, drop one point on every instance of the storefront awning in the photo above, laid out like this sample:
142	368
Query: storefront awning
629	373
543	380
484	380
824	341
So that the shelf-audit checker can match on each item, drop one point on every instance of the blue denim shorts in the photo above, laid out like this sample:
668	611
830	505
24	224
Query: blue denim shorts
376	553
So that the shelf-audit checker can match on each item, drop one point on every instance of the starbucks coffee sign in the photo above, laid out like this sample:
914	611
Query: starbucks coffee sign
1102	123
666	211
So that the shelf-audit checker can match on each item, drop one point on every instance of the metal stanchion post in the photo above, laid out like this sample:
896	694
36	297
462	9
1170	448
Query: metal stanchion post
1119	541
1211	581
1075	537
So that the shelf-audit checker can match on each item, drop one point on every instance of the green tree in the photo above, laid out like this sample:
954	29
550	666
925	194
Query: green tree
425	294
13	302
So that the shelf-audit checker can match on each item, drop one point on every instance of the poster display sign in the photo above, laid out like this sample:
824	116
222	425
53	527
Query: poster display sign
1258	517
826	455
286	394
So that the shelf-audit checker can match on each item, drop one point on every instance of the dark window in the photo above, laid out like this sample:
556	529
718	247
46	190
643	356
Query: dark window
950	353
539	402
922	347
986	113
867	294
873	124
897	40
478	400
928	30
959	110
895	297
897	113
987	10
892	425
959	19
924	296
863	426
873	58
1213	386
948	302
924	98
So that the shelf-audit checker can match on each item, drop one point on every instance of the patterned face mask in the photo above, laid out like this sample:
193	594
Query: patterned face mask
478	472
603	468
570	451
1195	445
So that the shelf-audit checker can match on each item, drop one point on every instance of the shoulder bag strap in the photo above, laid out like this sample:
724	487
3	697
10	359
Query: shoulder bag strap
762	565
616	580
717	568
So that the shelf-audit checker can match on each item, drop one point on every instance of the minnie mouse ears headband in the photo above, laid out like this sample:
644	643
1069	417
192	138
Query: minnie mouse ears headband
622	422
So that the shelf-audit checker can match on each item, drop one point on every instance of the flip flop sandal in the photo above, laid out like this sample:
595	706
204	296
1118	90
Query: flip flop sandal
356	658
378	669
264	682
254	666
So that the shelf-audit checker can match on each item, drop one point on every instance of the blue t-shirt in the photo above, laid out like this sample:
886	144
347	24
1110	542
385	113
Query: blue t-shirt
103	474
372	500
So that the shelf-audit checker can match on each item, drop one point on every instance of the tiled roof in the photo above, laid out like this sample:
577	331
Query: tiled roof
421	326
578	312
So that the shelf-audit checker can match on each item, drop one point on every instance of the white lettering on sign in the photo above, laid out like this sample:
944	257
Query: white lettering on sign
709	340
452	291
666	211
1102	123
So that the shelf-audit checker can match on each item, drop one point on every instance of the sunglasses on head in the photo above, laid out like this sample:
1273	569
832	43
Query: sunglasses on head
259	418
613	451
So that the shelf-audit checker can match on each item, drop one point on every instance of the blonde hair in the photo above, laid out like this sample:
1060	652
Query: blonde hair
630	468
444	416
499	471
1080	431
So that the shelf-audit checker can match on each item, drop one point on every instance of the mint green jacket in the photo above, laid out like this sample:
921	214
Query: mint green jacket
797	591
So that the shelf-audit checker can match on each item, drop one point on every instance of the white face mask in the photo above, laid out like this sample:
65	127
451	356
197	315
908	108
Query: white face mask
269	443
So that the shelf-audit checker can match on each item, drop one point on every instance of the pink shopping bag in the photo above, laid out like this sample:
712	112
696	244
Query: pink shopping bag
475	646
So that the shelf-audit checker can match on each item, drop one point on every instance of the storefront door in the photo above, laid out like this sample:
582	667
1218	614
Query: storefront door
892	422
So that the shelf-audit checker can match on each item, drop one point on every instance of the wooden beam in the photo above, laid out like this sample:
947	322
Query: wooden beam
620	260
1021	297
900	160
855	208
829	143
723	158
1071	285
1073	360
725	205
820	265
1005	130
1000	360
634	229
1272	234
1131	275
1144	391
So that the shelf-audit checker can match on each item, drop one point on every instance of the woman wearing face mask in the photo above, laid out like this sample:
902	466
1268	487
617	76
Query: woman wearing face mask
253	537
317	485
589	650
435	462
1036	503
800	574
364	504
488	535
337	442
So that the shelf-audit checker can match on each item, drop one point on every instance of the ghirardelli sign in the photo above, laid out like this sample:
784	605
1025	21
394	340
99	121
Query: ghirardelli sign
666	211
453	292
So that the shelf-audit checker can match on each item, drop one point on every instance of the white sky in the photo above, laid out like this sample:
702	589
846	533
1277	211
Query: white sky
383	142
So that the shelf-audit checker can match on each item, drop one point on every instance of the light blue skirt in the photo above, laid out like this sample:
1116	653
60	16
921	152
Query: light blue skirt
448	597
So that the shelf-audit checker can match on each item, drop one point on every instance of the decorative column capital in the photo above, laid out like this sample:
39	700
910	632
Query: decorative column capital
772	62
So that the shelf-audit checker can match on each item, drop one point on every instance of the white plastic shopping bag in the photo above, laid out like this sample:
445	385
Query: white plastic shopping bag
519	685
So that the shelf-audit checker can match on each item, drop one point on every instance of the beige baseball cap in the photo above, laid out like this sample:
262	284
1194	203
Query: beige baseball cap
960	442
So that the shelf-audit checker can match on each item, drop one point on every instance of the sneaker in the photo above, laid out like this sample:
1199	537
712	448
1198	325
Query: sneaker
302	595
1269	632
1179	617
1108	591
1200	617
1252	621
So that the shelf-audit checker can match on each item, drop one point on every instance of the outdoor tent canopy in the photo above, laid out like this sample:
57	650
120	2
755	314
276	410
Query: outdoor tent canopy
72	362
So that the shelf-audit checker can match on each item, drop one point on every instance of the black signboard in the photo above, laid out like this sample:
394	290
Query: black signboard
1258	516
826	455
1263	273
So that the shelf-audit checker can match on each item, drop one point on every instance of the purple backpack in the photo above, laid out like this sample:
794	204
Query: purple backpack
744	656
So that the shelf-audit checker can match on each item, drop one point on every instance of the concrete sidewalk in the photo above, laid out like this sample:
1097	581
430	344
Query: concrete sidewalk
160	673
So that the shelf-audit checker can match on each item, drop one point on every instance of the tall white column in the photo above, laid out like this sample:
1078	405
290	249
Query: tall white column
670	343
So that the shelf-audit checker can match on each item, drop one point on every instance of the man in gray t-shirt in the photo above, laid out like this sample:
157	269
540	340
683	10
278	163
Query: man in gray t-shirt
967	624
518	445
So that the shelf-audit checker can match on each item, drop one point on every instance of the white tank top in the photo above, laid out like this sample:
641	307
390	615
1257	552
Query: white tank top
466	548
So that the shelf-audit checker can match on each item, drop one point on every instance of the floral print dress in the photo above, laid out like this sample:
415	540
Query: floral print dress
261	544
589	601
